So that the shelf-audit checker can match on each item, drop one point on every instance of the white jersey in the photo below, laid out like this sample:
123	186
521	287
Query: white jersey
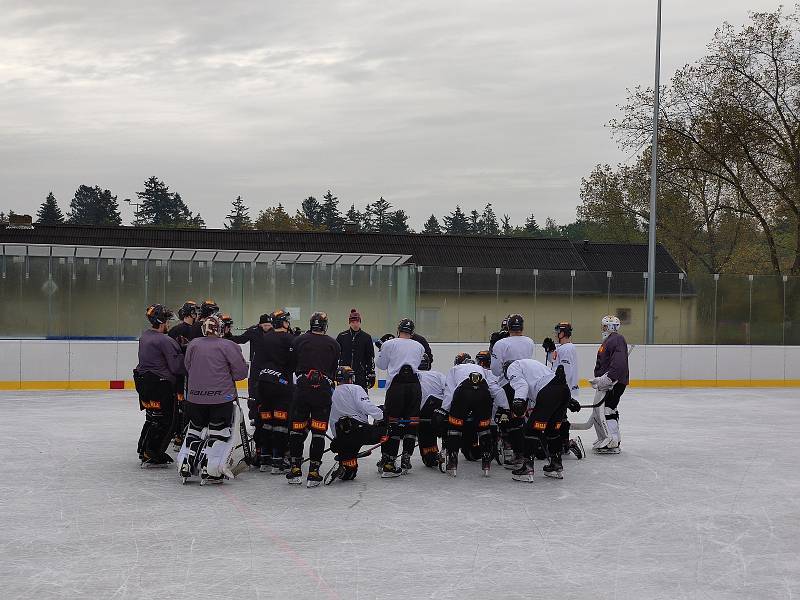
528	377
432	384
566	355
350	400
398	352
496	390
460	373
514	347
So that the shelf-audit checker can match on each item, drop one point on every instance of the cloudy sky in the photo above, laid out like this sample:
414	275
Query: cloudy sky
426	103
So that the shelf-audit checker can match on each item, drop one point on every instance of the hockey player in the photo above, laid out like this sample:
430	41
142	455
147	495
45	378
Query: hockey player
499	335
401	357
421	339
565	354
183	333
611	377
432	386
317	356
160	363
207	308
350	412
357	351
543	396
515	346
272	352
466	395
501	412
214	366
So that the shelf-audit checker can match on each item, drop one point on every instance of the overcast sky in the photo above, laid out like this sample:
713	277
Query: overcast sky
428	103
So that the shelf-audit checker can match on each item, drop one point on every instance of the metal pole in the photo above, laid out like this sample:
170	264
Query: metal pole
651	245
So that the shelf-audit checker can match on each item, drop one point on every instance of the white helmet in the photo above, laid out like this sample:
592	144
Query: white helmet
610	325
213	326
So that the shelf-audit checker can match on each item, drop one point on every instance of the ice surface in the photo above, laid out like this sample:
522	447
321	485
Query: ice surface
704	502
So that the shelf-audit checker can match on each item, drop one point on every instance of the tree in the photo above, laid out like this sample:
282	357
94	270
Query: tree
355	218
162	208
474	224
310	217
93	206
531	227
377	216
432	226
489	221
506	226
239	217
397	222
49	212
331	217
275	219
456	222
551	229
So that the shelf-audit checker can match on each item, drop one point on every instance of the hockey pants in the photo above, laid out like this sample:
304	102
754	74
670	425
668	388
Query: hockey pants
274	400
310	410
512	432
542	428
428	434
470	400
351	435
218	419
403	399
157	399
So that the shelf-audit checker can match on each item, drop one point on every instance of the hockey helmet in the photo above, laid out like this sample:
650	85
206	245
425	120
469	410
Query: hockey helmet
345	374
425	364
318	322
516	323
189	309
484	359
213	325
158	314
208	308
610	324
406	326
227	321
504	323
463	358
279	318
564	327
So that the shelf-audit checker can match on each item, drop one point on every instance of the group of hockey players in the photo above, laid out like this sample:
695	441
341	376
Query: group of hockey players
500	406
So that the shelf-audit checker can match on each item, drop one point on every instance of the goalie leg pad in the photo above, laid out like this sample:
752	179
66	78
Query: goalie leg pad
217	456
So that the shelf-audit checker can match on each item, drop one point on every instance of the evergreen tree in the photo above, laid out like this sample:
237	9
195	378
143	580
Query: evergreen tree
310	216
475	225
489	221
506	226
275	219
354	217
531	228
397	222
331	217
239	217
456	222
93	206
432	226
162	208
377	215
49	212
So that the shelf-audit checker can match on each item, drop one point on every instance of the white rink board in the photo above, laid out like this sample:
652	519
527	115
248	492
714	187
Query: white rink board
704	502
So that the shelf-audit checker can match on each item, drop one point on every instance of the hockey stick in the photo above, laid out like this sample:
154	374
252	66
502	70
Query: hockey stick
631	348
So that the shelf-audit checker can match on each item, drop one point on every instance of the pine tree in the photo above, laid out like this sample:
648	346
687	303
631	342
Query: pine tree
49	212
275	219
331	217
239	217
397	222
489	221
377	215
475	225
432	226
93	206
162	208
354	218
309	217
456	222
531	227
506	226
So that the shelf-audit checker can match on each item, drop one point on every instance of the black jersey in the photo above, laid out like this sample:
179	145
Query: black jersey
182	330
316	352
272	355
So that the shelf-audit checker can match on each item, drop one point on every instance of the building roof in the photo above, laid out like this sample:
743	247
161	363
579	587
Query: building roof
553	254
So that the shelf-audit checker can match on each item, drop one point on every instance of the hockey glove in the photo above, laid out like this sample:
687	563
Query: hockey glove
602	383
440	417
501	416
384	338
549	345
519	406
370	381
574	405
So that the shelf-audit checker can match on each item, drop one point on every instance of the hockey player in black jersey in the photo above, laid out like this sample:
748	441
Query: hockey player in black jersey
183	333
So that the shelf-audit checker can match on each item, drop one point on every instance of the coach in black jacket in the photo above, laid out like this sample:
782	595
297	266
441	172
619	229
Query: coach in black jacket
357	351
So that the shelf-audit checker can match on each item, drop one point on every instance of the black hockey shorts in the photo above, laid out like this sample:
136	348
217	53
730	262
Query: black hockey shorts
470	419
428	432
351	435
157	399
403	399
544	422
311	407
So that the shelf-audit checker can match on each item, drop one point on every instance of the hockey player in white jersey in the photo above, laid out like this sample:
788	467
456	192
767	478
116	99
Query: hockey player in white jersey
516	346
565	354
432	384
542	396
350	426
400	357
501	412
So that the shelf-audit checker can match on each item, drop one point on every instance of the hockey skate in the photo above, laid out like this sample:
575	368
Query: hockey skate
265	464
387	469
334	473
405	463
157	462
554	468
486	463
313	479
206	479
280	466
452	462
295	474
524	473
515	462
612	448
575	447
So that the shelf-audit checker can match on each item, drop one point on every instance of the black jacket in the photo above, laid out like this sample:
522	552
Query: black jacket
253	334
358	352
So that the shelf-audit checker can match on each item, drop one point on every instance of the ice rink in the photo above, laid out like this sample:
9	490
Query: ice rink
704	502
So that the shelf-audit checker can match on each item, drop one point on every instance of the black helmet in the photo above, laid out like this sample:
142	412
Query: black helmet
406	326
279	318
504	323
158	314
318	322
564	327
345	374
425	364
227	320
484	359
208	308
463	358
189	309
516	323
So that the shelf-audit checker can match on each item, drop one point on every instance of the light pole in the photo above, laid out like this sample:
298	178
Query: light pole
135	206
651	242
